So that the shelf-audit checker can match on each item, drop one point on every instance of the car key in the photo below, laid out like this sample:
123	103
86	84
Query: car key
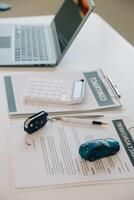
35	122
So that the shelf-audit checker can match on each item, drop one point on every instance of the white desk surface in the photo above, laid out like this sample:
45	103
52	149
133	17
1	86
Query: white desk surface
97	46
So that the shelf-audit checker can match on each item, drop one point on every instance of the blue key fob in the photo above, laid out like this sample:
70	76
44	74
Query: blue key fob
35	122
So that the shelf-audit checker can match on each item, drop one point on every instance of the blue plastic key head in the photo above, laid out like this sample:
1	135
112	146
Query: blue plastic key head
35	122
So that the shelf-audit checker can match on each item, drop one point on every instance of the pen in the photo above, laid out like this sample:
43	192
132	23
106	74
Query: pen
80	121
53	115
77	116
114	87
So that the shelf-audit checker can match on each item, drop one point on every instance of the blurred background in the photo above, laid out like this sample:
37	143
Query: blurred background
118	13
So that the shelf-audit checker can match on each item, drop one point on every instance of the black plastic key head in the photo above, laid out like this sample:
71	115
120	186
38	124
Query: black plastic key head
35	122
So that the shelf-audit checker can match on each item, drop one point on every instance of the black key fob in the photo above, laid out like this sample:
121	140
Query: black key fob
35	122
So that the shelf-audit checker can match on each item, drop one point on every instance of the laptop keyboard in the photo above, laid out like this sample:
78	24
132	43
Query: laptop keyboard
30	43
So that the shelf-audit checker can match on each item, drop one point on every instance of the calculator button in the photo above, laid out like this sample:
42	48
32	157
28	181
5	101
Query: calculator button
52	91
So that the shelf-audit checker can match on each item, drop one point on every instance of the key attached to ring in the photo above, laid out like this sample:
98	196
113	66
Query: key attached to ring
35	122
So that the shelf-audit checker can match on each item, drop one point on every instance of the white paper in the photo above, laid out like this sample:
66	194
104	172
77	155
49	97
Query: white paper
50	156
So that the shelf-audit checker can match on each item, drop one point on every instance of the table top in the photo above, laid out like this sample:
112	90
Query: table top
30	8
97	46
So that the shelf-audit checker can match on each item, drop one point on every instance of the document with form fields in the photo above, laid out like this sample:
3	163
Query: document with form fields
99	94
50	157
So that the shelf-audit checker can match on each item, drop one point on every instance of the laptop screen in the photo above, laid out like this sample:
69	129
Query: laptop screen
69	18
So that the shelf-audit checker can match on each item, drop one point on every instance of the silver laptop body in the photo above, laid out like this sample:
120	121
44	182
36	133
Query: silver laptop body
40	44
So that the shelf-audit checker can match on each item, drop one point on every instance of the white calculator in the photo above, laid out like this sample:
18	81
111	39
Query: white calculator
55	91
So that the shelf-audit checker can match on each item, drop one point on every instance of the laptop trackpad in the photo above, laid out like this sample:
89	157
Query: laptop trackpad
5	41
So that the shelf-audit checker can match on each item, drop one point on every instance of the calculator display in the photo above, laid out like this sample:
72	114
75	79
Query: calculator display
78	89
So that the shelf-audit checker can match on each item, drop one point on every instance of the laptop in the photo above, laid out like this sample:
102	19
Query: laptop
43	44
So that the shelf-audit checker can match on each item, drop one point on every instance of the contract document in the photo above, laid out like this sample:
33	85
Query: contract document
50	157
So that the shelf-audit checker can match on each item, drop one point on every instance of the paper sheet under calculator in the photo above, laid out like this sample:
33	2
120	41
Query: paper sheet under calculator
50	156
